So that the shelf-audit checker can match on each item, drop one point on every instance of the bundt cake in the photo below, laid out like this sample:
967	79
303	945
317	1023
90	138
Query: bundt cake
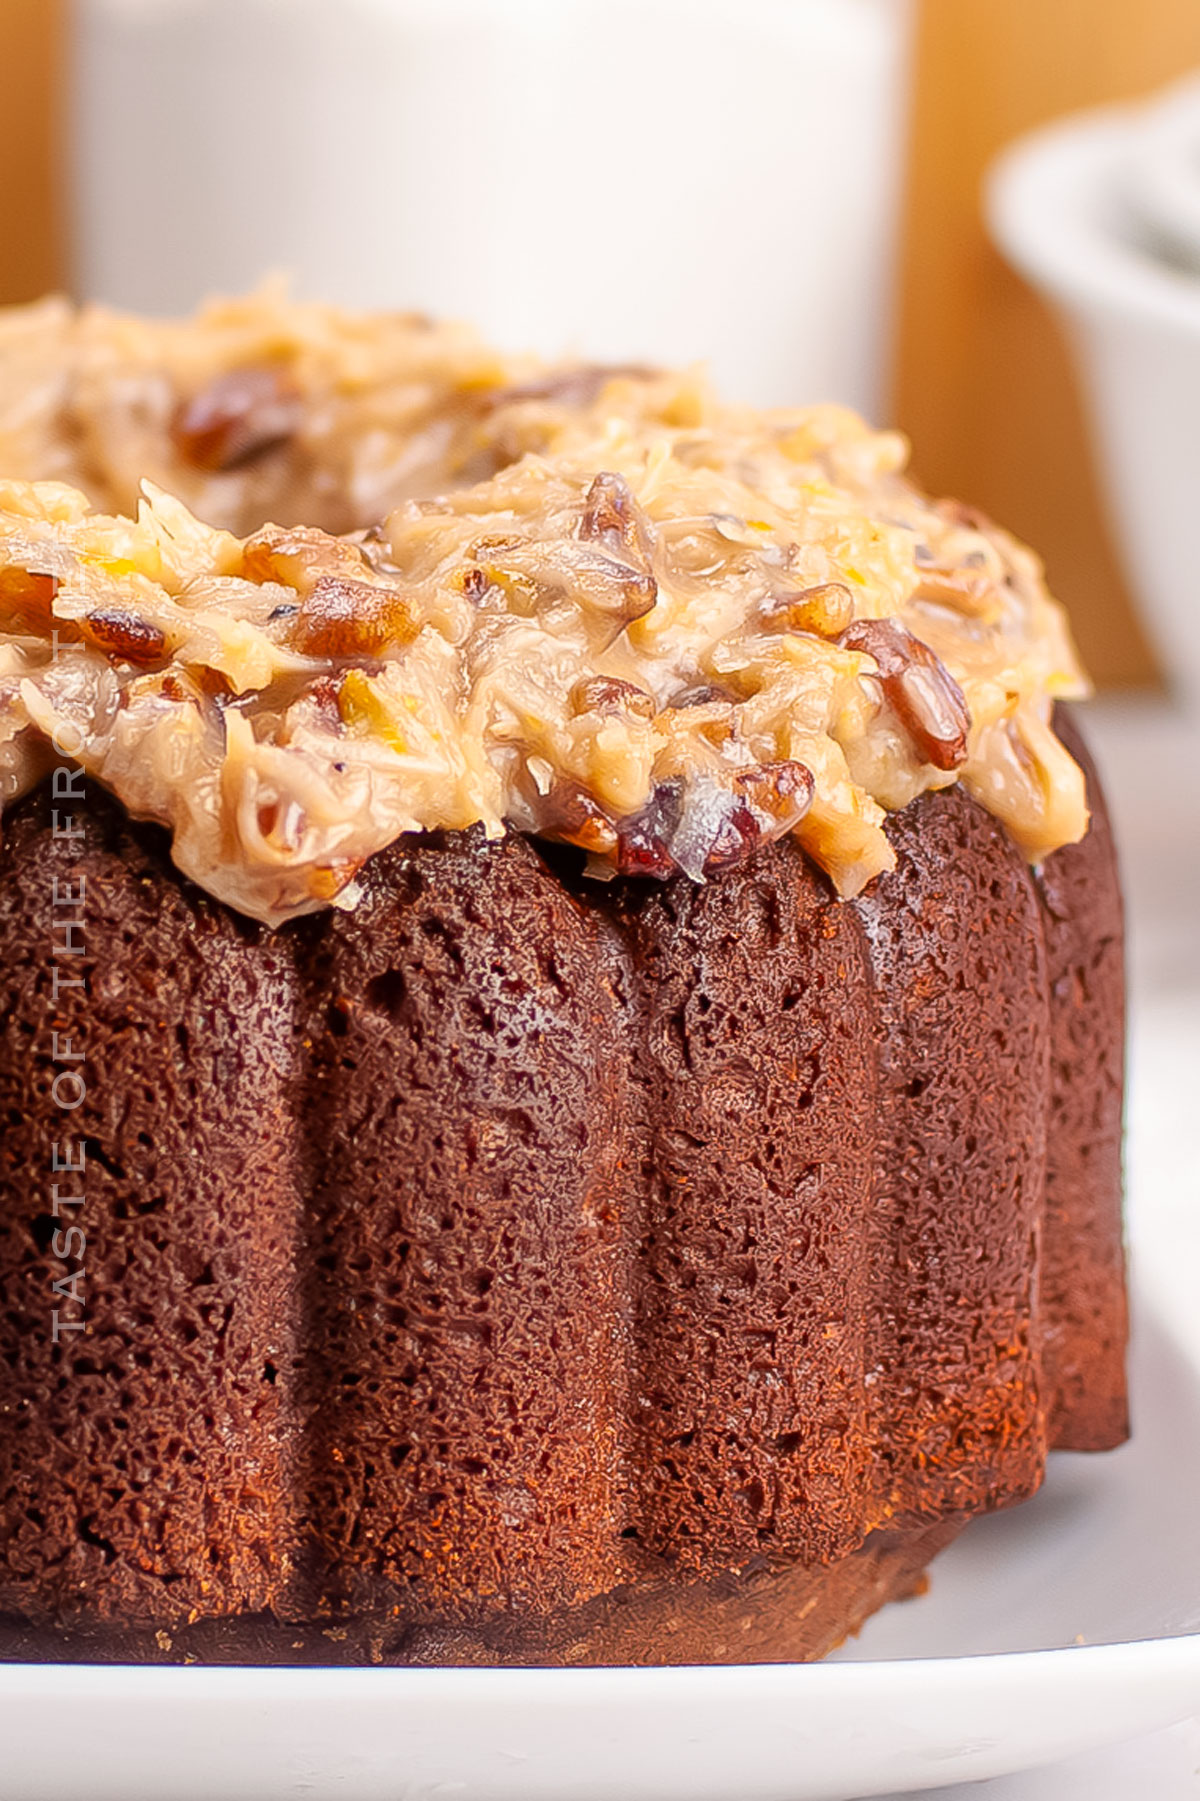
562	1008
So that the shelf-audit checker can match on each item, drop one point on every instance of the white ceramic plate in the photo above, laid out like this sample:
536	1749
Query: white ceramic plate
983	1676
1070	1623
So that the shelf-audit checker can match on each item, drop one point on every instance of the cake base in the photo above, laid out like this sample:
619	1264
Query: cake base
760	1615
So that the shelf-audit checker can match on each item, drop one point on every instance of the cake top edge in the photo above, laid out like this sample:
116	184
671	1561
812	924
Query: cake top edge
295	582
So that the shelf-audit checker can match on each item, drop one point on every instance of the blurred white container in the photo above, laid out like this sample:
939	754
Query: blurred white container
629	179
1059	206
1163	176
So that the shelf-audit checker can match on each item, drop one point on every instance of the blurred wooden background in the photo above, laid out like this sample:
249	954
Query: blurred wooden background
982	383
31	222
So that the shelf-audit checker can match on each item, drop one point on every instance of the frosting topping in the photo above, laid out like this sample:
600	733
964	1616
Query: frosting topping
598	605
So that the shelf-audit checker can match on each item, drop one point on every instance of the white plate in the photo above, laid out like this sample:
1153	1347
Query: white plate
981	1677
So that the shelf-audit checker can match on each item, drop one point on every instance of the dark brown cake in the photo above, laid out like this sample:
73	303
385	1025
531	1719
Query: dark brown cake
523	1269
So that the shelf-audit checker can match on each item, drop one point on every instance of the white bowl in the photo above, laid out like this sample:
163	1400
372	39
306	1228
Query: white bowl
1058	206
1164	173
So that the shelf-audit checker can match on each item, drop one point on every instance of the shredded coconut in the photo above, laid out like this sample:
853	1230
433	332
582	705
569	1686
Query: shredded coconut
593	604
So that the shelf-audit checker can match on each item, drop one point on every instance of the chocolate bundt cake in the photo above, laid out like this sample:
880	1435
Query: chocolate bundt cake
561	979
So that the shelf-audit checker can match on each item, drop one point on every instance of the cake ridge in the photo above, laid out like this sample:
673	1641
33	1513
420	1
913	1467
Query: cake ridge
691	1352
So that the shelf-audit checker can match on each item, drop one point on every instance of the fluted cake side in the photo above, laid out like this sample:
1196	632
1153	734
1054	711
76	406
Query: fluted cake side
523	1268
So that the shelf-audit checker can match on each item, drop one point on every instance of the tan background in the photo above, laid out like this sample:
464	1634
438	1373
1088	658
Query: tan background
982	382
30	213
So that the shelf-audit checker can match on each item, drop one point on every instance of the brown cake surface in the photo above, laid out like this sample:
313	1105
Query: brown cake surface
526	1269
421	1241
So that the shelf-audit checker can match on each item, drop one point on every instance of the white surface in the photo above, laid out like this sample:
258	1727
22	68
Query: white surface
1158	824
774	1733
1058	205
639	180
1164	1767
1148	753
1109	1549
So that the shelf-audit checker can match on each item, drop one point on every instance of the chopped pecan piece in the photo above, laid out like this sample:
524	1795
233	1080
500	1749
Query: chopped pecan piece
27	600
475	584
341	618
737	834
643	840
969	591
570	814
717	828
376	551
610	589
605	694
299	555
702	694
491	542
328	879
783	791
698	829
214	683
125	635
202	687
523	594
826	609
570	387
614	593
237	417
957	512
922	693
612	517
324	697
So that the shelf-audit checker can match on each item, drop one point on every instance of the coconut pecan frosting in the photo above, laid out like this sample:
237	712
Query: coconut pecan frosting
294	583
